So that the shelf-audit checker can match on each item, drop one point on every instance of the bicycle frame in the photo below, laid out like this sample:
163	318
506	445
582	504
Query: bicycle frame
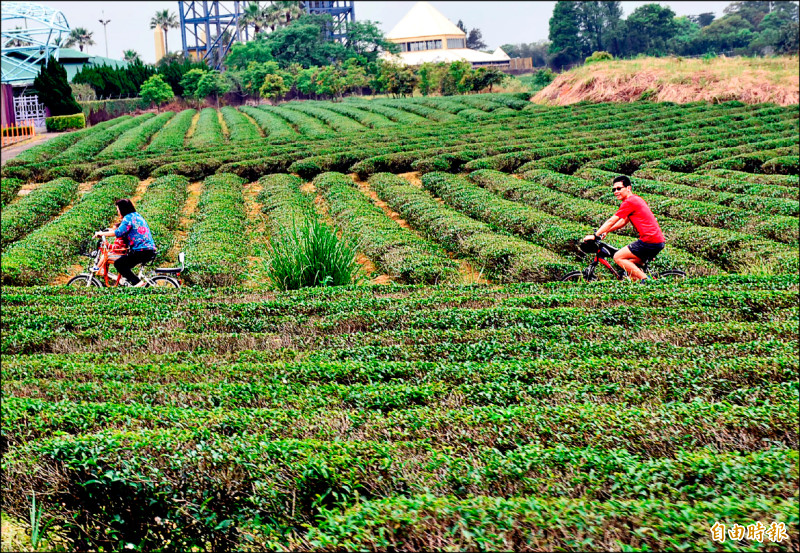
101	261
600	258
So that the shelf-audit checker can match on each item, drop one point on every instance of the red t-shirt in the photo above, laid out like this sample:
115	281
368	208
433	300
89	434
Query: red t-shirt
638	212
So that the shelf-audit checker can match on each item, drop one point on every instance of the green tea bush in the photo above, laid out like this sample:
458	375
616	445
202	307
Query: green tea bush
9	187
36	208
215	249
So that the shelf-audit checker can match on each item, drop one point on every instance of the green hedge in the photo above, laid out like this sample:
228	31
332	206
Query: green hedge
9	187
60	123
114	108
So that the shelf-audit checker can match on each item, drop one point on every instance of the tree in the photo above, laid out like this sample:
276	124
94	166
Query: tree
81	37
648	28
253	14
461	26
751	10
172	68
155	91
487	78
54	90
597	22
355	75
728	32
395	79
565	44
241	55
190	80
475	40
288	10
365	39
537	51
330	81
131	56
165	21
703	20
457	79
212	83
273	87
253	77
428	78
306	81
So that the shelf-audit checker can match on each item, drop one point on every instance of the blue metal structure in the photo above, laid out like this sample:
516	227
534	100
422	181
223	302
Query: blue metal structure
209	29
339	10
29	36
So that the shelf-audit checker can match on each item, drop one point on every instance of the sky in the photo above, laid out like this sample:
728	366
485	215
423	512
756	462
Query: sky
499	22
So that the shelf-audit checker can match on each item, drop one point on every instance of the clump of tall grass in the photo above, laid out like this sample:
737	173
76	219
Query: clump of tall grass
311	253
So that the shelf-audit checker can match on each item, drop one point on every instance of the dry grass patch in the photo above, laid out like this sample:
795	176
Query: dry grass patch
748	80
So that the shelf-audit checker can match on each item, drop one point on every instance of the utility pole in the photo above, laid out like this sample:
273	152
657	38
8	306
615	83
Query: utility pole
105	22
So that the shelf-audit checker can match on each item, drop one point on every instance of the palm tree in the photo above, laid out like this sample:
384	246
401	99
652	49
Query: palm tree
272	17
165	20
252	14
131	56
289	10
81	37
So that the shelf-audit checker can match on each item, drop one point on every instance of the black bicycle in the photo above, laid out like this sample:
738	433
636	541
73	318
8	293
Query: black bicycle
601	253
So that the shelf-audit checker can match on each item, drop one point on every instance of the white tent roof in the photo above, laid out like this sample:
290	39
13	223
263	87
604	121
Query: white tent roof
500	54
423	20
453	54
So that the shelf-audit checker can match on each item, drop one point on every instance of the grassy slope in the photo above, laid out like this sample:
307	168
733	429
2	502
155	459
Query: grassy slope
750	80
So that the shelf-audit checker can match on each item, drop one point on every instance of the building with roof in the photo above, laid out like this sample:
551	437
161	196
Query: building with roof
426	35
30	36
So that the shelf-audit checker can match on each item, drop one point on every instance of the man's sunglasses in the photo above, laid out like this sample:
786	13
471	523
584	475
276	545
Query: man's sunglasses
617	188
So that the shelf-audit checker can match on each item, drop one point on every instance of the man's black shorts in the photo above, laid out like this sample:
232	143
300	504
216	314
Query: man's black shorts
645	251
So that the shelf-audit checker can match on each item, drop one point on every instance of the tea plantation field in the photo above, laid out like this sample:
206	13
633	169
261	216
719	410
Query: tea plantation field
459	397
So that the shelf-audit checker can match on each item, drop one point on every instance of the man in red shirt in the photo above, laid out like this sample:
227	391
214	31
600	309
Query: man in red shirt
636	211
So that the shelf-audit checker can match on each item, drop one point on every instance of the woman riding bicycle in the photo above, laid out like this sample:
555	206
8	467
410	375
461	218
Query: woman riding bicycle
141	247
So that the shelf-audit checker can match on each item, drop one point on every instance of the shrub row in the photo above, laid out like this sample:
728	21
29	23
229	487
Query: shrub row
305	124
136	138
208	131
423	522
429	113
336	121
780	180
239	127
47	250
273	126
57	145
36	208
172	134
726	185
396	250
391	113
505	258
215	249
366	118
91	145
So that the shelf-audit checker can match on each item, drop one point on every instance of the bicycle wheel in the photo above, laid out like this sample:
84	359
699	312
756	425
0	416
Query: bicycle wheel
671	274
163	281
80	281
576	276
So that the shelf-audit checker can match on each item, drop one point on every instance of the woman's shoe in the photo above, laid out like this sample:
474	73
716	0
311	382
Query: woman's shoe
141	284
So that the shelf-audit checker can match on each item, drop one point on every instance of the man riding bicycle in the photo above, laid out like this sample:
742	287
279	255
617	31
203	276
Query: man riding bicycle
636	211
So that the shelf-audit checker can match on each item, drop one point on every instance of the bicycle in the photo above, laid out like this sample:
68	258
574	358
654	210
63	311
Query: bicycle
602	251
102	257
